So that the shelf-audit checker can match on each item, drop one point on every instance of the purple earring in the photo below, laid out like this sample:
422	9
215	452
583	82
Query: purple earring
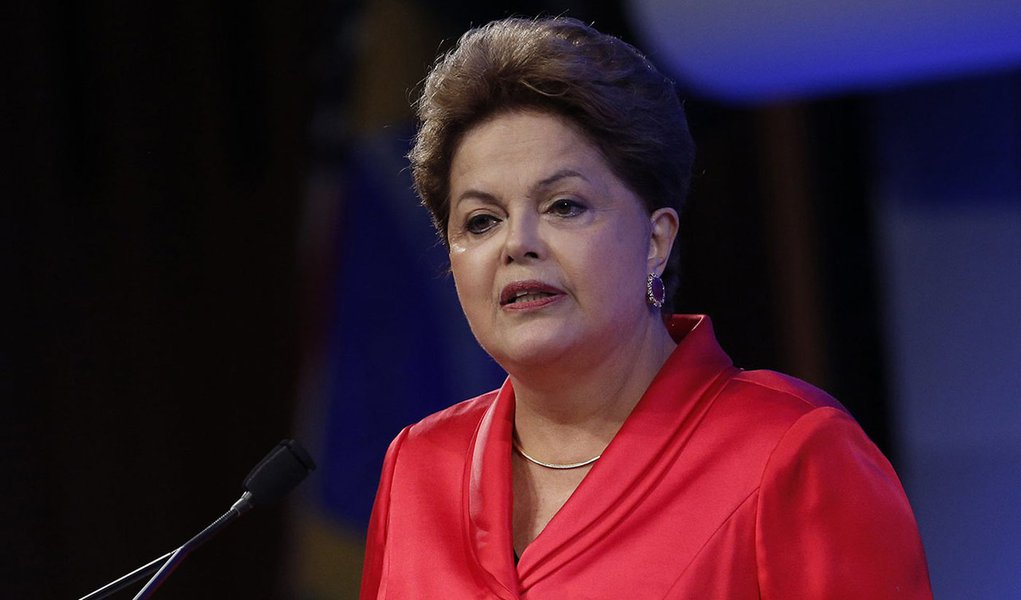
655	291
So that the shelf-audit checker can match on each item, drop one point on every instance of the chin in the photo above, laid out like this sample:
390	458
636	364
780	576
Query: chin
535	349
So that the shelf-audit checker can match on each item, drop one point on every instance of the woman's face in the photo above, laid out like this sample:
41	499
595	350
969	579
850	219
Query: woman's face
549	249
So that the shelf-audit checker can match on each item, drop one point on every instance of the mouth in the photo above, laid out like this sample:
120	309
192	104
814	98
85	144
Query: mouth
527	293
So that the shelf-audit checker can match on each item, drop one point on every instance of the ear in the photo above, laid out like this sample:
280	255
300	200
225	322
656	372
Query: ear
664	223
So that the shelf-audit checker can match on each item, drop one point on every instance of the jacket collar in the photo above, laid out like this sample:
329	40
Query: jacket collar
647	444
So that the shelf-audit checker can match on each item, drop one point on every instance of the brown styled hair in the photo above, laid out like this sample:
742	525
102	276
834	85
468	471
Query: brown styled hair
625	106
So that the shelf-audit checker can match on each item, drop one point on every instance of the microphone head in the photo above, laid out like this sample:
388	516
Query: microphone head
286	465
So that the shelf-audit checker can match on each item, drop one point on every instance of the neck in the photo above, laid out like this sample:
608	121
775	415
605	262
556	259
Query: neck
569	410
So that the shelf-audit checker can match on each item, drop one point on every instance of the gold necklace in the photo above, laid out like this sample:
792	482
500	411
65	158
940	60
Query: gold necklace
562	467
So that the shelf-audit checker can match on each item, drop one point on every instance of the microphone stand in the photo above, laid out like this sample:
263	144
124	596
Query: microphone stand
178	556
171	559
276	475
115	586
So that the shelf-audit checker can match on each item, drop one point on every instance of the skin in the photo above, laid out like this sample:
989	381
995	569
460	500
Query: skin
534	201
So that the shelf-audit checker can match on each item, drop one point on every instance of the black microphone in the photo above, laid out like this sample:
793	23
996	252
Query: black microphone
286	465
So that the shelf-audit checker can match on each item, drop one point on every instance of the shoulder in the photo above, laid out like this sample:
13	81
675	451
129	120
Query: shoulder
453	419
798	426
449	430
775	402
783	391
756	412
829	504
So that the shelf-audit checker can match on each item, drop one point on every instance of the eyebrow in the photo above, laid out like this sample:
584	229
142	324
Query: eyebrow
561	174
545	183
476	194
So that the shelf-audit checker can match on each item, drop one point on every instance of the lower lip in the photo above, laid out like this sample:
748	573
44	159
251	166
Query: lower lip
532	304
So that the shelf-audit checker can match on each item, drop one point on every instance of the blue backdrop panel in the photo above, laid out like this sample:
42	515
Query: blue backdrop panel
401	348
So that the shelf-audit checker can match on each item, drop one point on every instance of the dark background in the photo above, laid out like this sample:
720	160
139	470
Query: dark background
157	154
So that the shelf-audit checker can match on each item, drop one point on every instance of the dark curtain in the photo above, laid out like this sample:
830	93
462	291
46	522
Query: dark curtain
154	158
778	246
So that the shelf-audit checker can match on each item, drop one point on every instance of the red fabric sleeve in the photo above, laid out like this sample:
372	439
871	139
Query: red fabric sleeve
833	520
375	540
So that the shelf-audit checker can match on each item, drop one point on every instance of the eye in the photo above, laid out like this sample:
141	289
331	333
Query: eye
480	223
566	207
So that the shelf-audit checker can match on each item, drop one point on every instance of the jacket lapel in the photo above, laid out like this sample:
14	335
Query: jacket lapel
488	498
645	448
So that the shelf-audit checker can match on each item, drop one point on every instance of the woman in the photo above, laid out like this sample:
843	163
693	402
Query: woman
624	456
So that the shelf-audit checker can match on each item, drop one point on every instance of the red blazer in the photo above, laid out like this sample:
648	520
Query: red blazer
721	484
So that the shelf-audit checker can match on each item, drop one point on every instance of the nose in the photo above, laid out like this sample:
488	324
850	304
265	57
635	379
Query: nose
524	241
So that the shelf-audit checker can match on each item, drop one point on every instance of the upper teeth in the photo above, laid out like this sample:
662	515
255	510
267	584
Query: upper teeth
528	296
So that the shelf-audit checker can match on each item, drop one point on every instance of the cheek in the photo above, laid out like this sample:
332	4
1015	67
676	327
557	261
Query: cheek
617	264
621	248
633	239
470	279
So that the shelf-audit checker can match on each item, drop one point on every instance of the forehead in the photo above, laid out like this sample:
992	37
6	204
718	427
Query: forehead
525	140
